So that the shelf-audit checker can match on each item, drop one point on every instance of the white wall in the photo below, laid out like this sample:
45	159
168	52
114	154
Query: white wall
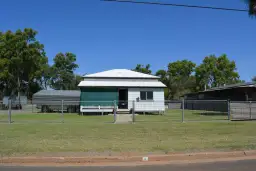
155	105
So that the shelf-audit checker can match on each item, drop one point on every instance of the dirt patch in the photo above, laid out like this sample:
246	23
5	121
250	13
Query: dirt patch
128	160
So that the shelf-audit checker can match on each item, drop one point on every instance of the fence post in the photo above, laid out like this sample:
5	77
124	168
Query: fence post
32	106
133	111
10	111
62	108
250	105
114	111
229	112
81	102
183	106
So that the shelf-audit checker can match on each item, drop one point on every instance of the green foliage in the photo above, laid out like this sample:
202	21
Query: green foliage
178	78
181	69
24	65
45	78
163	76
63	71
21	57
142	69
76	80
252	7
216	71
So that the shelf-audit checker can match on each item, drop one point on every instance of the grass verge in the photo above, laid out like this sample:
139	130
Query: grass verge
151	133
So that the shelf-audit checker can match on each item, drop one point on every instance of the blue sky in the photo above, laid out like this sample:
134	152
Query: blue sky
106	35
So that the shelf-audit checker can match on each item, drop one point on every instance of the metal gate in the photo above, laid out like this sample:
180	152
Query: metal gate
244	110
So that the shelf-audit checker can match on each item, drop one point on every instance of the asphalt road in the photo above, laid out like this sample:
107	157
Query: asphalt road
246	165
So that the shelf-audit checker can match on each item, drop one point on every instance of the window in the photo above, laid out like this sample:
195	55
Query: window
146	95
143	95
150	95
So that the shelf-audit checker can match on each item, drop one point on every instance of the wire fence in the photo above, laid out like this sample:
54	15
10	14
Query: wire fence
60	111
243	110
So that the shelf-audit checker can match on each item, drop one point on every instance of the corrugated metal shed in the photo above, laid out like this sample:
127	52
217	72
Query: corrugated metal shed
66	93
54	97
120	73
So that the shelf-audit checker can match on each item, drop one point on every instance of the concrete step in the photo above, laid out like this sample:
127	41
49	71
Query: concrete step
123	111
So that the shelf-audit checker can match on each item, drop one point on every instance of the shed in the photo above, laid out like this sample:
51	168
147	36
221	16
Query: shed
124	87
51	100
233	92
216	99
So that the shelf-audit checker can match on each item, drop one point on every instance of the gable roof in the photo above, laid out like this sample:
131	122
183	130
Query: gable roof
120	73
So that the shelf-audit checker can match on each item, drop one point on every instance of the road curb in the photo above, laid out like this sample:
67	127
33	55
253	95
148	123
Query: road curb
115	160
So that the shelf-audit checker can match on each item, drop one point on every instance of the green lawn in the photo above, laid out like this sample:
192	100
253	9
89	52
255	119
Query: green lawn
151	133
189	115
169	116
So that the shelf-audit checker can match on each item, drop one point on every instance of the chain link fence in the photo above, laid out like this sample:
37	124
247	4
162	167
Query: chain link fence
198	110
128	111
243	110
3	112
206	110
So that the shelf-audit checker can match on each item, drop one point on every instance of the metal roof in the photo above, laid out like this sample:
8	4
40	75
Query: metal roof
239	85
67	93
120	73
248	84
118	83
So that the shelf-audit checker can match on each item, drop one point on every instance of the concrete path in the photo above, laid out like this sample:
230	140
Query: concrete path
123	118
243	165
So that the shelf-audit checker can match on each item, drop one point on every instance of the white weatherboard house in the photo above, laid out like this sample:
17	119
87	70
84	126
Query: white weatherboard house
123	87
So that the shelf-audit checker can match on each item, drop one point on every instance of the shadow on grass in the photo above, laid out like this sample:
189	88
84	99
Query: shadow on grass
141	121
94	114
154	114
36	122
211	113
4	122
78	114
242	120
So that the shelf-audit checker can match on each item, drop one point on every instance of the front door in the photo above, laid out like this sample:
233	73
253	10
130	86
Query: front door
123	99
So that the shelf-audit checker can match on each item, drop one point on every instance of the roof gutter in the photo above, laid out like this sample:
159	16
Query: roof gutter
122	78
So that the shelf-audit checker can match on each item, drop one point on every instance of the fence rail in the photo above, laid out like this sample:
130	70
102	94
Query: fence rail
174	110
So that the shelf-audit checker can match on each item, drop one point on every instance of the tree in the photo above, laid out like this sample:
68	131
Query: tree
180	73
252	7
63	71
163	76
178	78
142	69
216	71
164	79
21	57
76	80
44	79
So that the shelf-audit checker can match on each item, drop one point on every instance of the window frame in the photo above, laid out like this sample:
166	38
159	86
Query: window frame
146	93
